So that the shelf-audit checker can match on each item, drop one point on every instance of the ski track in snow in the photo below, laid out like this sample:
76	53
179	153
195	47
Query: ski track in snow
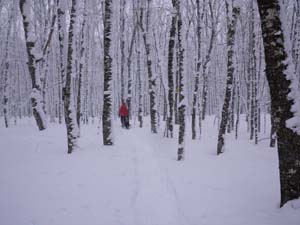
153	201
172	190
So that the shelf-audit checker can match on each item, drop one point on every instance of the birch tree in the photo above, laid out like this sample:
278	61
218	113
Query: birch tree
34	54
232	21
181	91
151	77
69	105
169	123
107	86
284	91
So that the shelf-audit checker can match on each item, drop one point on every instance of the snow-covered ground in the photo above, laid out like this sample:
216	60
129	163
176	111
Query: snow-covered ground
138	180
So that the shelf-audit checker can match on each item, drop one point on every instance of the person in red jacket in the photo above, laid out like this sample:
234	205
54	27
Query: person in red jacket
123	113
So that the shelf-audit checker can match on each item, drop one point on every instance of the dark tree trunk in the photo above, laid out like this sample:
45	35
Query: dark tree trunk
253	78
36	98
61	37
176	90
140	93
229	80
273	132
5	94
122	46
69	107
232	106
197	76
278	76
151	79
82	52
6	68
181	95
237	111
169	123
107	86
207	59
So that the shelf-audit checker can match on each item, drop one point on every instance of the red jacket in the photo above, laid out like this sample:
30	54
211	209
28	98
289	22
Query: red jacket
123	110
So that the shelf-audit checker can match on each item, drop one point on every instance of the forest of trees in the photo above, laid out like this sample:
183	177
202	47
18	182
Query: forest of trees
174	61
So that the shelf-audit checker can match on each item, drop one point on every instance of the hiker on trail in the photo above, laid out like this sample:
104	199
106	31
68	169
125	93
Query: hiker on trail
123	113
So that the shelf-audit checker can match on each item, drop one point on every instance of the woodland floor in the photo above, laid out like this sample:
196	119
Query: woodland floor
138	180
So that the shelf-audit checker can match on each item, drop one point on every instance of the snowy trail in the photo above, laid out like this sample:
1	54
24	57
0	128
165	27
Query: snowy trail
138	181
153	202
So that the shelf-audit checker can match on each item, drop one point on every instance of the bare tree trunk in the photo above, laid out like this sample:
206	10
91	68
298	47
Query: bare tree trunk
237	110
69	106
207	59
169	123
6	69
61	20
253	76
81	61
198	66
284	96
232	105
33	55
229	81
181	93
296	40
122	46
151	78
140	92
273	131
107	95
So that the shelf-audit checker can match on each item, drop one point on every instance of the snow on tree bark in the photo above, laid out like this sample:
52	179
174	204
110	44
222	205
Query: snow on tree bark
229	80
198	66
206	61
61	38
139	85
61	26
33	55
151	78
181	94
284	96
81	63
107	85
169	122
253	78
69	106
